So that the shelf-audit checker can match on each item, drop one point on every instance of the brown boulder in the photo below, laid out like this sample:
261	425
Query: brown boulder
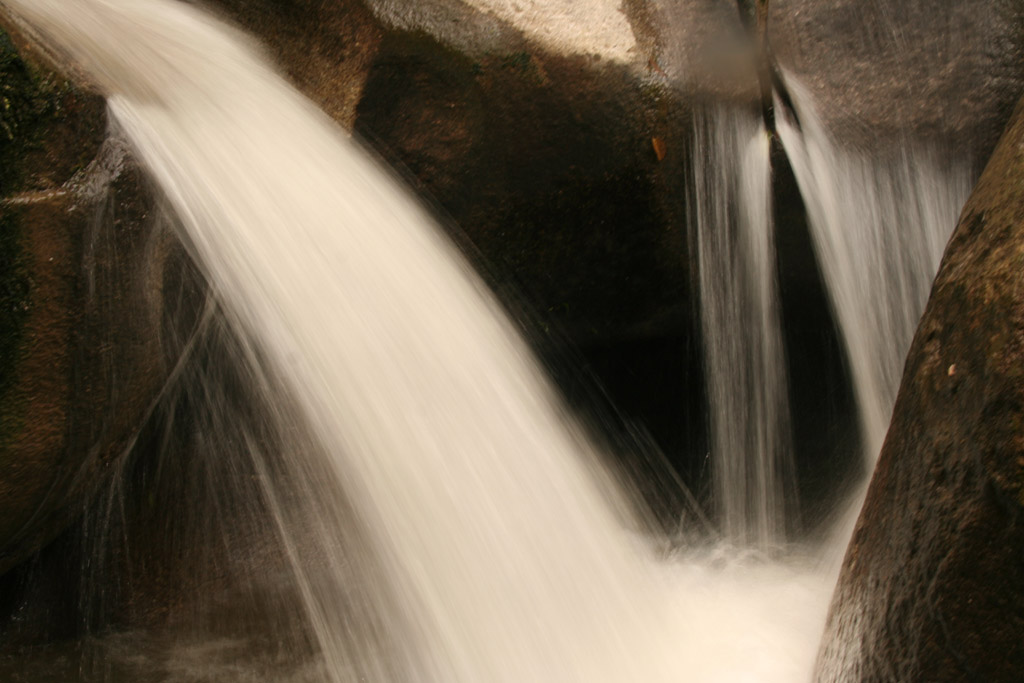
932	587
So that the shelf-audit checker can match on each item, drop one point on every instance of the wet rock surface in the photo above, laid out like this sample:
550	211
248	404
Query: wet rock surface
81	309
931	587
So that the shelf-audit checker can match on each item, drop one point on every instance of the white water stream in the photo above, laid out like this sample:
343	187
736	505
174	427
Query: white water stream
879	227
751	449
502	546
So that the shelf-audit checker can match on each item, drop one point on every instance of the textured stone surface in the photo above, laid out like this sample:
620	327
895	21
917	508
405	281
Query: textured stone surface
884	71
324	48
932	588
80	302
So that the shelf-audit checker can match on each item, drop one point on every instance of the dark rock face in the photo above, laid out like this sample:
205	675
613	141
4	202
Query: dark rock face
80	317
546	164
545	160
932	588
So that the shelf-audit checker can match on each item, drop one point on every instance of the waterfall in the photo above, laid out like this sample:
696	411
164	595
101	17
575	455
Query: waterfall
496	533
879	225
730	196
441	516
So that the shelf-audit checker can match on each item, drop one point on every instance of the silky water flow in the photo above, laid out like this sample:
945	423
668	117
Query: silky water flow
751	450
879	226
442	517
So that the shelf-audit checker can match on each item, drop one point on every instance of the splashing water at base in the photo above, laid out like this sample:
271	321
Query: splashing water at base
735	621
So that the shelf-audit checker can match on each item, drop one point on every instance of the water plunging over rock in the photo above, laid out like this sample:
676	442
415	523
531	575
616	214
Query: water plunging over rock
405	459
751	449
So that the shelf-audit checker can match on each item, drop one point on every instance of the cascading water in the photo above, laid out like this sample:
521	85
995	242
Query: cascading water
490	546
879	226
751	453
496	539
